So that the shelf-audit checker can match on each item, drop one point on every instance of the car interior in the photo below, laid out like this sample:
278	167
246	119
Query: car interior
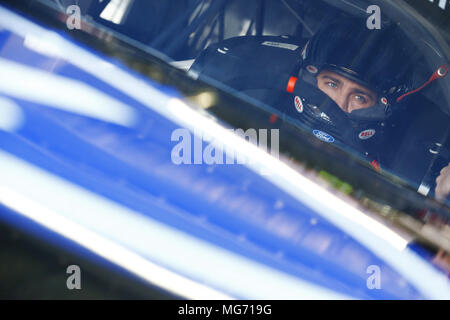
200	29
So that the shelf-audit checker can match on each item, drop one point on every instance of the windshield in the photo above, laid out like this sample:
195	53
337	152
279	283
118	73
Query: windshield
357	89
255	48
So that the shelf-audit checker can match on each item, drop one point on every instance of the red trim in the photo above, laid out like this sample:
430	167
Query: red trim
375	165
273	118
291	84
434	76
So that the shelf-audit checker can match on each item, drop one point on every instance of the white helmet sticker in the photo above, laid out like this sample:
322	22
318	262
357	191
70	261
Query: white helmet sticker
312	69
280	45
298	104
366	134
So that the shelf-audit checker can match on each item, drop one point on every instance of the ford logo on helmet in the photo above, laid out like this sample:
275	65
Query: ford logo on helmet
323	136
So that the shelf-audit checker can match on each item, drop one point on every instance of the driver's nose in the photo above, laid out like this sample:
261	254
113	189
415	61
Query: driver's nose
341	100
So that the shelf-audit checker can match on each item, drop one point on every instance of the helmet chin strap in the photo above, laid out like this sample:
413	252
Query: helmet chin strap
441	72
377	112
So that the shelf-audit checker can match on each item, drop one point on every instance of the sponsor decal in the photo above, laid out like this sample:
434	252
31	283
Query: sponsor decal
222	50
366	134
384	101
323	136
312	69
298	104
349	71
280	45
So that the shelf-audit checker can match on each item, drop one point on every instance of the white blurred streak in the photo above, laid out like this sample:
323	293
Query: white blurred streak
116	11
313	194
62	93
110	250
11	115
142	245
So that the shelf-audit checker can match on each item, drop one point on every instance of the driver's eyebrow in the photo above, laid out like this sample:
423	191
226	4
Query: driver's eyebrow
333	79
361	91
357	90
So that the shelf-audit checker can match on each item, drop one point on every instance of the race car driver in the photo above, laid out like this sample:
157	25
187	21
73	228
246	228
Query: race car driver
366	73
360	68
349	84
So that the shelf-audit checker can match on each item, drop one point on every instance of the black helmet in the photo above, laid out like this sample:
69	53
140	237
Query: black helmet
380	60
377	59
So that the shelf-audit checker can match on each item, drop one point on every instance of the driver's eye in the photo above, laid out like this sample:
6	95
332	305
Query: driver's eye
361	99
332	85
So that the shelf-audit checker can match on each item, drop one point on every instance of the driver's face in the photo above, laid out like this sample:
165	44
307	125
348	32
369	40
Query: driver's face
347	94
